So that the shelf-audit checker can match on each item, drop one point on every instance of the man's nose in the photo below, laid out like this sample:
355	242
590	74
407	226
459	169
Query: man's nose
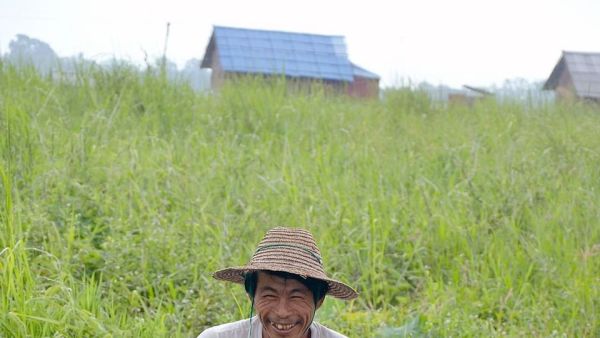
282	308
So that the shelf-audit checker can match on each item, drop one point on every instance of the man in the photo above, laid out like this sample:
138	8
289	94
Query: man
286	283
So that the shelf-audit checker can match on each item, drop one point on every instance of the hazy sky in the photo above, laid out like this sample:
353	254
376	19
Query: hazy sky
456	42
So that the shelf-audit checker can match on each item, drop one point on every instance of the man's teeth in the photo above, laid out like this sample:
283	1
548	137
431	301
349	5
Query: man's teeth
283	327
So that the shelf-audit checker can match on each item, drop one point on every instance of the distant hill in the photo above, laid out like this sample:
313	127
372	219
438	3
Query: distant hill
24	50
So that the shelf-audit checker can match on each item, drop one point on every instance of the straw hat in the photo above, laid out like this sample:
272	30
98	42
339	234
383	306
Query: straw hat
289	250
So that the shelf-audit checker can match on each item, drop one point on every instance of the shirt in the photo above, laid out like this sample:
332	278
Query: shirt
240	329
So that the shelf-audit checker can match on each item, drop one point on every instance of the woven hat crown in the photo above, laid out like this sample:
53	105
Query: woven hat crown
296	250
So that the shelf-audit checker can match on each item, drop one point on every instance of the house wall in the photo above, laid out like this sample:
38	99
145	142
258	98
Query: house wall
217	76
305	85
299	85
460	99
565	90
361	87
364	88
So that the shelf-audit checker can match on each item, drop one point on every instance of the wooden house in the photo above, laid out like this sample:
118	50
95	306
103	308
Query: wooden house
303	58
576	76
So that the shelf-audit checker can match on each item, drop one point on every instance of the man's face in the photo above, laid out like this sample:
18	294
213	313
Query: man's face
285	306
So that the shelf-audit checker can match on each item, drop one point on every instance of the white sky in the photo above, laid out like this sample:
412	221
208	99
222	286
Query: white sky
476	42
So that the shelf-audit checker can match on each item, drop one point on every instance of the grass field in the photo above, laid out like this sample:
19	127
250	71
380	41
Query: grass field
120	195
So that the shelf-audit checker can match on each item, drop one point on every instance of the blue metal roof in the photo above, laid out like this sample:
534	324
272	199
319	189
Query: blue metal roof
274	52
361	72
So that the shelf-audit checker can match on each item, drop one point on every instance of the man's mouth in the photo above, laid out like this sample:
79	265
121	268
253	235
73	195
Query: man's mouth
283	327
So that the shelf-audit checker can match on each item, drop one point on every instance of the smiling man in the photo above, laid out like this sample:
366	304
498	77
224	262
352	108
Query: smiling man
286	283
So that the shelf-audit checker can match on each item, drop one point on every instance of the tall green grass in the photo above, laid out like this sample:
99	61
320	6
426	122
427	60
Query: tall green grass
122	193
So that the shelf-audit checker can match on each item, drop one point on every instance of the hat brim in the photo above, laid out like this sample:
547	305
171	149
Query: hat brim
336	289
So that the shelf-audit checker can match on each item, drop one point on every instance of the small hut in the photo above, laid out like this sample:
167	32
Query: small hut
576	76
469	95
305	58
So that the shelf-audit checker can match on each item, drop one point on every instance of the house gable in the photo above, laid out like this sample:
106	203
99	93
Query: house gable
578	73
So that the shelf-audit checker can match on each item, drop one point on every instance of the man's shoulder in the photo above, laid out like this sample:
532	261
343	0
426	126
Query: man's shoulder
234	329
324	332
241	328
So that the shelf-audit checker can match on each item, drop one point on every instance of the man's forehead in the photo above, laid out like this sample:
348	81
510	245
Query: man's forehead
266	279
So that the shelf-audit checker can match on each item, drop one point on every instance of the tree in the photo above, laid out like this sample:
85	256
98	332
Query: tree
26	50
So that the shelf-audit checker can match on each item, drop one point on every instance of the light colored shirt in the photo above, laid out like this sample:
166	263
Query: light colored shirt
241	329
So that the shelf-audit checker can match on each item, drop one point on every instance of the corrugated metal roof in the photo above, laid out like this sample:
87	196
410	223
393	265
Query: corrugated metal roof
361	72
274	52
584	69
